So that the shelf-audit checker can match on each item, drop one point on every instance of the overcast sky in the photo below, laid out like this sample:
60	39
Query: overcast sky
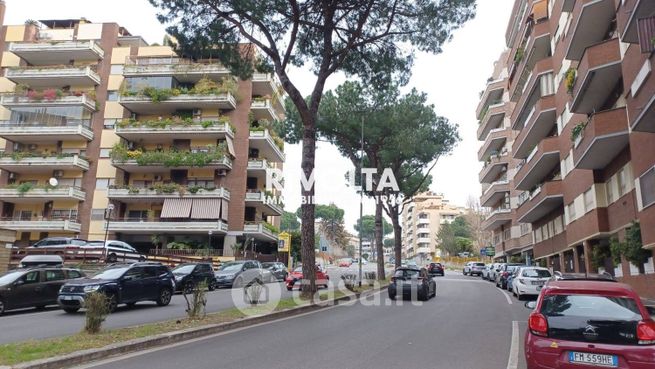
452	81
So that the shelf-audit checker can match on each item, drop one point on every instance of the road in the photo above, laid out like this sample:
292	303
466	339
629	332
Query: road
469	325
28	324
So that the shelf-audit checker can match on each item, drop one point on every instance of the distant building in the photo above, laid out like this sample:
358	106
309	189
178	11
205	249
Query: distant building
421	221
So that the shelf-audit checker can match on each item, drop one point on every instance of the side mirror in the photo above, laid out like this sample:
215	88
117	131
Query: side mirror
651	310
19	282
127	278
530	304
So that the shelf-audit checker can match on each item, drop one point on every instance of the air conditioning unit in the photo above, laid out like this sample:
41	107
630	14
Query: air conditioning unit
58	173
221	172
197	112
158	178
32	147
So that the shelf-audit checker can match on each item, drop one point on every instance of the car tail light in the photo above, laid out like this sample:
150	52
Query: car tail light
538	324
505	274
646	332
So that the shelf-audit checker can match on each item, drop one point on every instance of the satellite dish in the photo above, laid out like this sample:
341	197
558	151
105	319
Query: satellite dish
53	182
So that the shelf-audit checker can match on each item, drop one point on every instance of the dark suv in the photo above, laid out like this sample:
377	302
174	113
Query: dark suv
122	284
187	276
239	273
436	269
33	287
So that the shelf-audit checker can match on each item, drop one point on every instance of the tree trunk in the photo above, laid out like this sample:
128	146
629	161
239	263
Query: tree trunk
379	245
397	235
307	208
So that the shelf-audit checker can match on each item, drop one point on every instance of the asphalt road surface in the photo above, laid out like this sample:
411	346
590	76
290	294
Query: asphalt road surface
469	325
33	325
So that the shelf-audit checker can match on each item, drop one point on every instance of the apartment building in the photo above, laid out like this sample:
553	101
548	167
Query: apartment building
104	133
421	220
577	79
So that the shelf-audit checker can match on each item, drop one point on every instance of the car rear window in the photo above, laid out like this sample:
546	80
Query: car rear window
479	264
592	318
536	273
406	273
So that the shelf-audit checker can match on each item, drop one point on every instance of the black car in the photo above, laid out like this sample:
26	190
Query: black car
33	286
187	276
122	284
238	273
279	270
436	269
411	281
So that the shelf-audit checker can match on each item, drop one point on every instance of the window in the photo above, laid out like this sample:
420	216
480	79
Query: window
572	215
64	214
610	191
559	225
31	277
110	123
104	183
134	274
588	200
54	275
72	274
623	182
112	95
97	214
116	69
647	188
104	153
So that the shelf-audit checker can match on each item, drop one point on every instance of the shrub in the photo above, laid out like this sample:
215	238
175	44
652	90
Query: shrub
97	308
578	130
633	247
253	291
24	187
196	307
570	78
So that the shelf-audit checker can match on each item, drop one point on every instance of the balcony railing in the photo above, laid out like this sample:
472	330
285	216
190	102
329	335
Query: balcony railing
19	194
26	162
57	52
41	224
594	18
494	167
539	123
165	191
602	139
150	225
544	199
59	76
492	119
143	104
162	130
492	93
260	230
598	73
498	216
494	143
541	162
495	192
31	131
22	100
268	145
268	203
166	66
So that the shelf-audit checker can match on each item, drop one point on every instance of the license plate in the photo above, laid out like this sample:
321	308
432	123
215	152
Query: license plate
537	283
610	361
67	298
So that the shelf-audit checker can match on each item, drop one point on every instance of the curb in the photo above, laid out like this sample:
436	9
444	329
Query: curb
163	339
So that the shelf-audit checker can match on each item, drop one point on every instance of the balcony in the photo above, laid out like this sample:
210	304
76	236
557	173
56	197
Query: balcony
603	138
494	143
265	109
539	84
598	73
264	84
267	145
53	77
423	250
264	202
153	131
497	218
184	70
541	121
590	27
423	221
154	225
550	246
258	168
26	162
423	240
142	104
628	20
492	94
645	121
40	224
494	193
27	132
259	231
543	160
133	194
53	53
536	49
492	119
39	195
594	224
492	169
541	202
133	165
11	101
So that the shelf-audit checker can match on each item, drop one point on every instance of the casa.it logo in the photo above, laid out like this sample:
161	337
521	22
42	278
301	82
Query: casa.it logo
386	183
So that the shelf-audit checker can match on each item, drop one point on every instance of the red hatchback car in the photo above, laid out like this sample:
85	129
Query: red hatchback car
587	324
295	278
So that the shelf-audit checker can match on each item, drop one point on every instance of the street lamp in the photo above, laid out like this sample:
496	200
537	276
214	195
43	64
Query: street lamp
209	245
361	198
108	211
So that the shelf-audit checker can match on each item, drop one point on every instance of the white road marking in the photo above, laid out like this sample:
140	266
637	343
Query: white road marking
513	360
507	296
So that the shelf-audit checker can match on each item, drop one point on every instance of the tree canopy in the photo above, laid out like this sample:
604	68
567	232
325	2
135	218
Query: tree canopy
368	227
289	222
455	237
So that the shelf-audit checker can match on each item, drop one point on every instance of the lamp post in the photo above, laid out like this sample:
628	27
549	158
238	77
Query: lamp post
108	211
361	198
209	244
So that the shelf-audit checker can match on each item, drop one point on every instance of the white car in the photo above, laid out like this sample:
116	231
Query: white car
493	271
530	281
118	251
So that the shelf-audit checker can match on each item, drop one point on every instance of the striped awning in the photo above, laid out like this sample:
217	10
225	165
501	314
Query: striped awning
206	209
224	210
176	208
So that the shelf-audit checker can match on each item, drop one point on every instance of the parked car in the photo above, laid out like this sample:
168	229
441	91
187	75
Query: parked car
589	323
295	278
189	275
279	270
493	271
409	281
436	269
33	286
486	271
239	273
473	267
118	251
122	284
59	242
529	281
504	273
558	276
510	279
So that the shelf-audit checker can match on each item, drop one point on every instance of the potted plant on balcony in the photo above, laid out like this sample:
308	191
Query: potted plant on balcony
578	130
570	78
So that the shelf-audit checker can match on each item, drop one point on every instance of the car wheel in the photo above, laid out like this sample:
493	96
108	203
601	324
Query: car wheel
211	286
112	258
164	297
2	306
142	258
188	288
112	303
71	310
392	296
